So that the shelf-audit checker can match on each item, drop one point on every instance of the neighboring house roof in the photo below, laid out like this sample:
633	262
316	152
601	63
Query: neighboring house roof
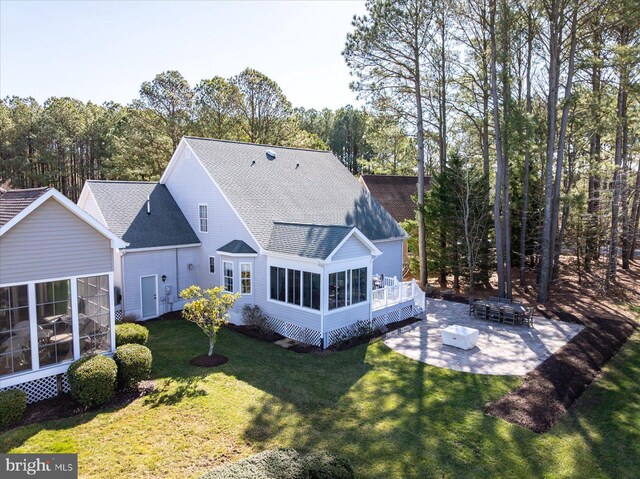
237	247
298	186
12	202
395	193
16	205
306	240
123	205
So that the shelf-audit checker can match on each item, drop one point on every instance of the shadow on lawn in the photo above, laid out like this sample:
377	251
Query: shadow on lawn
416	419
172	391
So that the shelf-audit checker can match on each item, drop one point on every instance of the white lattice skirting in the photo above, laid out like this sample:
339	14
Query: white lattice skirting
379	322
293	331
43	388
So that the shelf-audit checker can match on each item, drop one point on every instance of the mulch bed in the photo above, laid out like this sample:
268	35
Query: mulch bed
63	405
548	391
206	361
255	333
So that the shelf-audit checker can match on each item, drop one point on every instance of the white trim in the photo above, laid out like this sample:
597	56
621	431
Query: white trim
58	278
237	255
156	248
387	240
174	159
116	242
355	231
141	298
250	277
75	323
206	205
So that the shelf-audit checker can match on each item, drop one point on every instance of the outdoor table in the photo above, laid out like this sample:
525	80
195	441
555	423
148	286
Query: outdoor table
519	309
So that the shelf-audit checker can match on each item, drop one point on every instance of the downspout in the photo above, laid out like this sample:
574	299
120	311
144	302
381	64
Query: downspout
122	288
177	279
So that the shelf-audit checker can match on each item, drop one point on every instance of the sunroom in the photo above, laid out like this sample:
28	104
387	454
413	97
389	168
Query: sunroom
56	284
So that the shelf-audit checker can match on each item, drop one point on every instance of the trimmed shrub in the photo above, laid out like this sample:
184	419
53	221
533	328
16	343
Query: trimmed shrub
13	404
92	380
285	464
324	465
130	333
134	364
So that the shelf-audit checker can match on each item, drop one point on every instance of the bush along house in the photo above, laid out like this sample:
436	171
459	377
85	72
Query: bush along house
290	229
56	289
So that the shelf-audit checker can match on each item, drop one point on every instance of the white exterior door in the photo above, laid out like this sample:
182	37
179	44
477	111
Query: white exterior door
149	295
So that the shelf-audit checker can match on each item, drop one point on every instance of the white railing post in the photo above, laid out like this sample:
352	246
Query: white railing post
386	297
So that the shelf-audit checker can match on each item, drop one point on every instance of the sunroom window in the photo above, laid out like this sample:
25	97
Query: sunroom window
228	275
15	335
245	278
94	314
347	287
53	313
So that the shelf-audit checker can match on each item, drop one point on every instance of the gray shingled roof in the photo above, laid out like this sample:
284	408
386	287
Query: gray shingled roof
12	202
123	205
237	247
309	241
298	186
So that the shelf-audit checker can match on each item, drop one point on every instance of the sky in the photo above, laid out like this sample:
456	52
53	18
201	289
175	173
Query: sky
104	50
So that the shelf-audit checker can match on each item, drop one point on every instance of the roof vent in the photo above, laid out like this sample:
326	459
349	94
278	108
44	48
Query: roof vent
271	155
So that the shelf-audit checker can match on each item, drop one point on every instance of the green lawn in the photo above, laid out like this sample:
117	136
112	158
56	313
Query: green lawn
393	417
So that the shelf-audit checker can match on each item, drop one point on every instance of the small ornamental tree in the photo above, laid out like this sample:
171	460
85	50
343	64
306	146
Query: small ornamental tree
208	309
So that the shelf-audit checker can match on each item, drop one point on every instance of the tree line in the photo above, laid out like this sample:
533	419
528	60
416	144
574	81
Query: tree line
64	141
526	114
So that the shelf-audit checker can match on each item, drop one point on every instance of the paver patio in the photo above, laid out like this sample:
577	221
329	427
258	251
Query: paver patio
501	349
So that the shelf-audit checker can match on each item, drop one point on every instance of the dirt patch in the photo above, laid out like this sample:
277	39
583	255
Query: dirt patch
255	333
548	391
63	405
205	361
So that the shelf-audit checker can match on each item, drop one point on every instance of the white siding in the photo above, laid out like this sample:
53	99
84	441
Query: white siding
352	248
389	262
52	242
339	318
173	263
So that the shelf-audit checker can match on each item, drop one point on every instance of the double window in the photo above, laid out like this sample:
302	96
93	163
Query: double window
297	287
347	287
203	214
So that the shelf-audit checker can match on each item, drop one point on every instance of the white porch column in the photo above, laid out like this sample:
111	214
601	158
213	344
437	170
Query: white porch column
112	313
33	327
75	326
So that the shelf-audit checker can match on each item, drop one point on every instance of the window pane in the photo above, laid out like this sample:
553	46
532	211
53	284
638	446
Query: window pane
245	278
282	292
53	314
274	283
212	264
341	289
228	275
333	290
15	334
306	289
294	286
94	315
315	291
363	285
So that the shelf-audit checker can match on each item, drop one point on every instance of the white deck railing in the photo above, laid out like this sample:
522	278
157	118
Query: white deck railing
396	292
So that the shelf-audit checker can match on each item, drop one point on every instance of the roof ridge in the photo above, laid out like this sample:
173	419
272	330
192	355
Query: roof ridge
17	190
256	144
311	224
125	181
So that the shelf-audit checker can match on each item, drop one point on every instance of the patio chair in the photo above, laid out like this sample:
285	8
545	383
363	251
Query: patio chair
494	313
482	311
508	315
472	306
527	318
